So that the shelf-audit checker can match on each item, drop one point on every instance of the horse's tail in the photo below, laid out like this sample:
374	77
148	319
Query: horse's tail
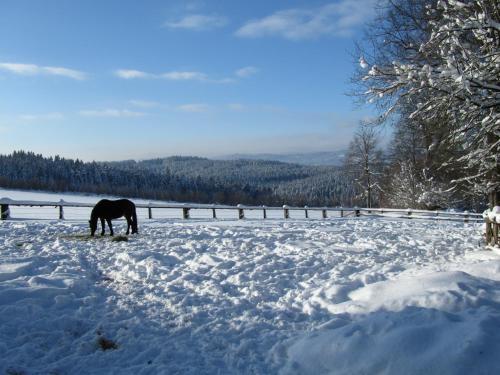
134	220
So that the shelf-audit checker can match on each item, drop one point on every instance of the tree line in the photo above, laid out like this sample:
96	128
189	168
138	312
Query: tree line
182	179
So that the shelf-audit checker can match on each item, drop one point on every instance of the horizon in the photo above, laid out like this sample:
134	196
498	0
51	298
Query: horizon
221	157
190	78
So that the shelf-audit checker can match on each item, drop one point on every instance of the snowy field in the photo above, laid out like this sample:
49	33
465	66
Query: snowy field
336	296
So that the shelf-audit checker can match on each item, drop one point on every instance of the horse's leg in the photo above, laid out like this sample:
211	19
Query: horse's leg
103	226
129	223
110	227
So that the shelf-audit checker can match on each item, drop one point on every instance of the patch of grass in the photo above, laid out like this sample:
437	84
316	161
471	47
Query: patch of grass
78	237
106	344
120	239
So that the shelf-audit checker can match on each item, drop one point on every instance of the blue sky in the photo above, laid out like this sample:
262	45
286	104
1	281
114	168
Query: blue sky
119	79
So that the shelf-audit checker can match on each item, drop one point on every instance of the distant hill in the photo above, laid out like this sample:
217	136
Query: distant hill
290	183
184	179
335	158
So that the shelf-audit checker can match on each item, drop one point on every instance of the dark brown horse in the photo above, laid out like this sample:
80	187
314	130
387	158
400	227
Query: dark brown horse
109	210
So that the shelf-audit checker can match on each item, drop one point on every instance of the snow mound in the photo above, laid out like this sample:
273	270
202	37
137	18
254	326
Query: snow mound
436	323
414	340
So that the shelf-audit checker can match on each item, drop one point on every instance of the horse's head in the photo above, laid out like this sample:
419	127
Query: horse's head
93	226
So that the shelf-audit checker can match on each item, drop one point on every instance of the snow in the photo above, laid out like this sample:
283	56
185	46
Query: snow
493	214
358	295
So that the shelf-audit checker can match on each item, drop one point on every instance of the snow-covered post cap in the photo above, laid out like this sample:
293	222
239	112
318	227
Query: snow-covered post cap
494	213
239	205
285	206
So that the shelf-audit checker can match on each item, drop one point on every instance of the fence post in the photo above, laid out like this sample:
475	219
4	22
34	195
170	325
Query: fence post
241	212
264	213
286	212
214	215
466	216
185	213
357	212
488	230
409	213
495	231
5	211
324	213
341	212
150	213
306	212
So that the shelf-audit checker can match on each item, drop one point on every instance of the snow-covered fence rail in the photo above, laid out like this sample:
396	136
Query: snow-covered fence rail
242	211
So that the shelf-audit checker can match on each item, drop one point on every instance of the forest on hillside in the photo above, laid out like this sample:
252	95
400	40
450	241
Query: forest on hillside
183	179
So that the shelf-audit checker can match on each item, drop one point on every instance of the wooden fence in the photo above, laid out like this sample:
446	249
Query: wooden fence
492	228
325	212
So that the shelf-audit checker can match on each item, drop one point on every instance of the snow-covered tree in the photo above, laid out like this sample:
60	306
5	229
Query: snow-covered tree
455	71
364	162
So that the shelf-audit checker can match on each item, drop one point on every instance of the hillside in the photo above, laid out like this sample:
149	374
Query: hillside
326	158
176	178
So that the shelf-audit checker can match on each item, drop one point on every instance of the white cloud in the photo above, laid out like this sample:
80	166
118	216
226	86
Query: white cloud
32	69
237	107
197	22
247	71
171	76
295	24
194	108
110	112
42	116
130	74
144	103
184	76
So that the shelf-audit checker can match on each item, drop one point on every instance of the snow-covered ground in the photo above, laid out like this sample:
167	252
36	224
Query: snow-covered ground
338	296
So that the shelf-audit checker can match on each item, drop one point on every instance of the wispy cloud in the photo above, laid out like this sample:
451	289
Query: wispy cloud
177	75
131	74
247	71
110	112
144	103
308	23
33	70
171	76
184	76
237	107
42	116
194	108
197	22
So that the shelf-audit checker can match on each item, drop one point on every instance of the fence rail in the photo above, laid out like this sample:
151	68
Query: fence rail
186	208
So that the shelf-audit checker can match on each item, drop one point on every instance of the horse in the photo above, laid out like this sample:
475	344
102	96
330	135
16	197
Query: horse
108	210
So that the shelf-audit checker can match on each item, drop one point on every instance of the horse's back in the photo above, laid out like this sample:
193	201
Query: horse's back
114	209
